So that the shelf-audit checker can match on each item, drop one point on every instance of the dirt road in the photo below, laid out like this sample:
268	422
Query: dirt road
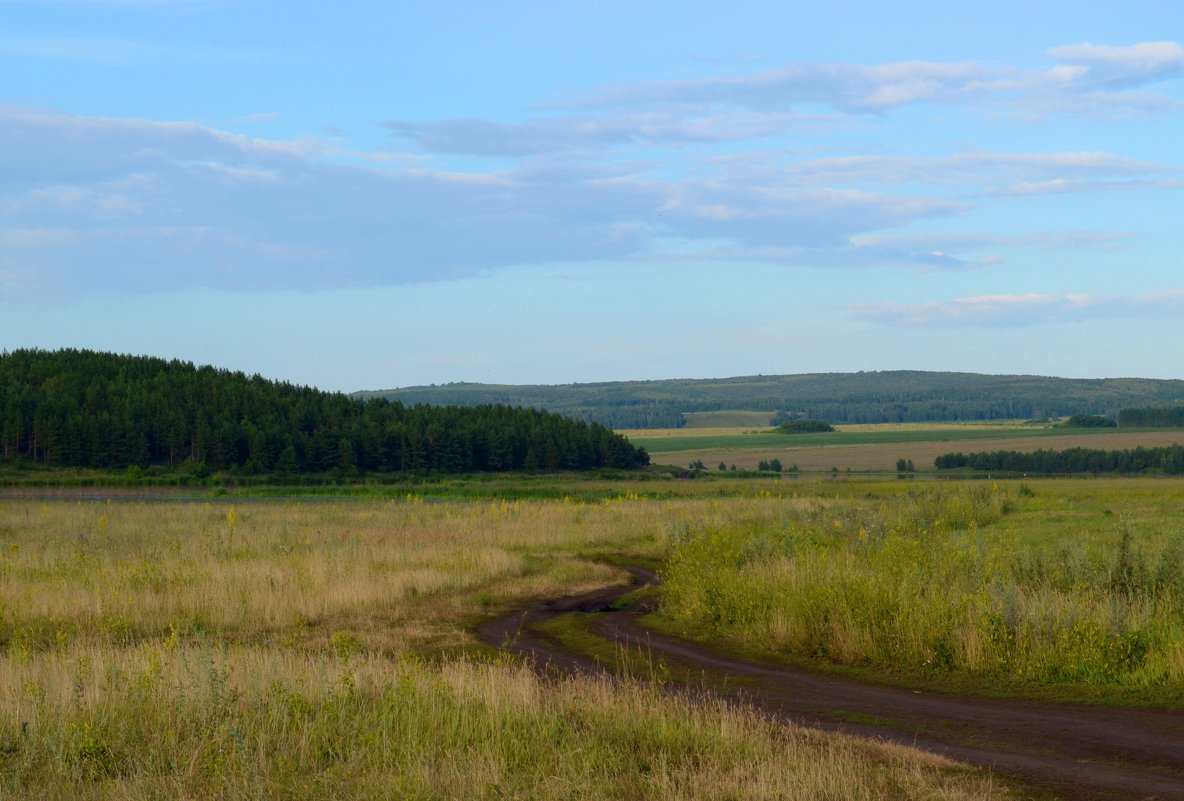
1075	751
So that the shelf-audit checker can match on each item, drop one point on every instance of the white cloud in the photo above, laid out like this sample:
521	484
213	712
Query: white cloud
76	48
573	133
1106	65
775	214
174	204
1060	186
847	87
969	242
972	173
1088	79
181	204
1006	310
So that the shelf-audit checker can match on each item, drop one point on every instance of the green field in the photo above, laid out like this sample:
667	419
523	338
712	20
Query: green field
662	442
876	448
739	418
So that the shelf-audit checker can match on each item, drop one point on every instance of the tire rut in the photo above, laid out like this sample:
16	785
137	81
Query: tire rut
1077	751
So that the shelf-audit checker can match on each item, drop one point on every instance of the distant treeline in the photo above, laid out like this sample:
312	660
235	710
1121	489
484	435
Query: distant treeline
79	408
804	426
872	397
1089	421
1072	460
1160	417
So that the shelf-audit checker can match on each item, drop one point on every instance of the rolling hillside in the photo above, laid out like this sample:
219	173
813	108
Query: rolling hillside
79	408
866	397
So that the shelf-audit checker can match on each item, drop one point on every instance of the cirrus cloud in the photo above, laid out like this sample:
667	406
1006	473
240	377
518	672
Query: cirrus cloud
1010	310
1086	79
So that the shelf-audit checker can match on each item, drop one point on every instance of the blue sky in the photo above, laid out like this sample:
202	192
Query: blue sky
364	195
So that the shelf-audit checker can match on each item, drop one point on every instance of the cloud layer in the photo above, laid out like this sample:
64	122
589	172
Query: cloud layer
1026	309
96	203
1086	79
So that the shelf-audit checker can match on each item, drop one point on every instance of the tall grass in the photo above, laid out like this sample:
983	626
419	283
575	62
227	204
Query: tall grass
401	575
274	651
201	722
972	581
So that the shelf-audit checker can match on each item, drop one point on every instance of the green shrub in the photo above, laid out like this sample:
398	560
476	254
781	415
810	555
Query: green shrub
804	426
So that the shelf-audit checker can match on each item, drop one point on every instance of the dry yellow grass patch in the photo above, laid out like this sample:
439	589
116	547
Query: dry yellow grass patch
200	721
267	650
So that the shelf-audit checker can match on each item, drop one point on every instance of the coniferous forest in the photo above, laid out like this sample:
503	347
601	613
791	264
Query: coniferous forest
1169	460
894	396
1153	417
79	408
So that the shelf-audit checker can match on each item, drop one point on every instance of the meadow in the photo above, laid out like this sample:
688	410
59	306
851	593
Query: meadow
323	649
1069	590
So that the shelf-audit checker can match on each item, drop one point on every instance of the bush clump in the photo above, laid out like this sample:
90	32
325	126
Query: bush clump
804	426
1089	421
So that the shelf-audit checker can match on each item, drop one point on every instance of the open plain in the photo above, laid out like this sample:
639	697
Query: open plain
232	648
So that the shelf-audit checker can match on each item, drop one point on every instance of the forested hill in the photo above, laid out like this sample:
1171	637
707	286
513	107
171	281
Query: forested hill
85	409
874	397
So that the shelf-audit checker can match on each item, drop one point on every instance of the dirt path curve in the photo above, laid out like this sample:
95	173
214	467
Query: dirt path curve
1076	751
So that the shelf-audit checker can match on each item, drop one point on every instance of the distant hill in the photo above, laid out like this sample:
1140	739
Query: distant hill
78	408
871	397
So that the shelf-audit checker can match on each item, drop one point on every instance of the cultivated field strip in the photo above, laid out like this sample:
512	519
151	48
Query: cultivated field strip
747	452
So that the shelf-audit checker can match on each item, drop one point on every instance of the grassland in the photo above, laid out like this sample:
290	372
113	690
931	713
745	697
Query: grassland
739	418
877	447
1060	589
322	650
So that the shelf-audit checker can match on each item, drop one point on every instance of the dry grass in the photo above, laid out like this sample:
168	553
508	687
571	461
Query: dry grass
403	575
200	722
167	650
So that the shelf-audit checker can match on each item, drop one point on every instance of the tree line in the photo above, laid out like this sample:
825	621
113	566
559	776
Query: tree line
1168	459
1157	417
895	396
79	408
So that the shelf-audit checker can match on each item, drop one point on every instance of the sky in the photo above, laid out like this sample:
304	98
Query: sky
365	195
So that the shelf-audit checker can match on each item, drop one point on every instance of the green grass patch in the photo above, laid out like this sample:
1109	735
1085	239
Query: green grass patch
1072	591
725	419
